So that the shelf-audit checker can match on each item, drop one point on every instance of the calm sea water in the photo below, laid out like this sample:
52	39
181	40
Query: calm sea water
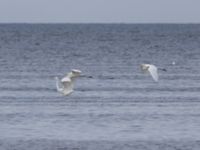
119	104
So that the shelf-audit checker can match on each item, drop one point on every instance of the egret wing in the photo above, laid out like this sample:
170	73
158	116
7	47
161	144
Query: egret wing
67	85
66	79
154	72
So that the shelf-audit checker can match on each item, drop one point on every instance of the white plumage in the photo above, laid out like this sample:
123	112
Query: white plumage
151	69
173	63
66	84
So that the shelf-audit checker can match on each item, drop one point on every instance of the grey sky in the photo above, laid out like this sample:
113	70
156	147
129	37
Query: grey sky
121	11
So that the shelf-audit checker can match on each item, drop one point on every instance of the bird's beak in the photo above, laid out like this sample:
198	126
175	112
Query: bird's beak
86	76
163	69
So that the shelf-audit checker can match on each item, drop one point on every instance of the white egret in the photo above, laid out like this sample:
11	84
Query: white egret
66	84
151	69
173	63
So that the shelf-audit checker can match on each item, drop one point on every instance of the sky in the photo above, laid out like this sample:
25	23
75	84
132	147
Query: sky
99	11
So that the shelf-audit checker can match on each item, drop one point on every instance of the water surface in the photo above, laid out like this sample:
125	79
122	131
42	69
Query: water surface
118	105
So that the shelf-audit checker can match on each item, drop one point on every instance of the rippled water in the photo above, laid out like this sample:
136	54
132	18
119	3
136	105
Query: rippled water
119	103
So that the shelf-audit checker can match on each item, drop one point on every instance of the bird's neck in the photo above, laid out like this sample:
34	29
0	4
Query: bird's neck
71	76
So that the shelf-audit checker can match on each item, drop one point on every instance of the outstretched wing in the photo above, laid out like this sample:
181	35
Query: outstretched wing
66	79
154	72
67	85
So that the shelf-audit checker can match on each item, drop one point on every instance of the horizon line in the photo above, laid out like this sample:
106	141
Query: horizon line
99	22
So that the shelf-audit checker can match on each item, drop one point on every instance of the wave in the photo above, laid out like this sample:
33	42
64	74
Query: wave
106	89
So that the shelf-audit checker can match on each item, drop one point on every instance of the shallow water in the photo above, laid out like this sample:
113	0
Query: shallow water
119	104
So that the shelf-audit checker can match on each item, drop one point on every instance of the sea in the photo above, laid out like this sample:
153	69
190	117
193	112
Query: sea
118	107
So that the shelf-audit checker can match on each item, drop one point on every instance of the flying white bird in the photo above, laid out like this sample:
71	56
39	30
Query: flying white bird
66	84
173	63
151	69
